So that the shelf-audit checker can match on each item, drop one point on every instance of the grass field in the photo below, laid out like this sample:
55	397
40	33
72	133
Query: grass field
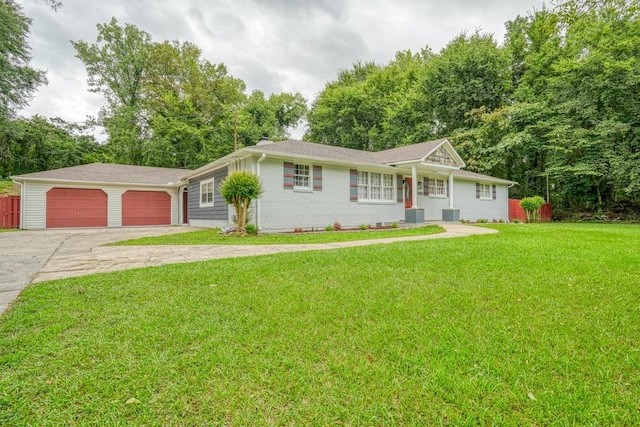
536	325
213	237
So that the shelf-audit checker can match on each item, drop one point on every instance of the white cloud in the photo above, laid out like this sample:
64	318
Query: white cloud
274	45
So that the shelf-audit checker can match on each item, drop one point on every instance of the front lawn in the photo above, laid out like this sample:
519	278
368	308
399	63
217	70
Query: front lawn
536	325
214	237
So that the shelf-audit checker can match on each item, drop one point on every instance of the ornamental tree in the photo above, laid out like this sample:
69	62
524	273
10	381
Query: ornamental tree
531	206
238	189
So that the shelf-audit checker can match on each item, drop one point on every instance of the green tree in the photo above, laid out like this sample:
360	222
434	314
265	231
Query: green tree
116	66
373	107
470	72
239	188
18	80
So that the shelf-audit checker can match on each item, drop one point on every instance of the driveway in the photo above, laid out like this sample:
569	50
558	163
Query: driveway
37	256
24	253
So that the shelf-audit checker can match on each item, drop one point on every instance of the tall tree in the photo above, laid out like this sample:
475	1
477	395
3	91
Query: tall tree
115	65
470	72
371	107
18	80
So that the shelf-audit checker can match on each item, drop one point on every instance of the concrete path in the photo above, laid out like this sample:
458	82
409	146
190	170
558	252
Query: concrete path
37	256
24	253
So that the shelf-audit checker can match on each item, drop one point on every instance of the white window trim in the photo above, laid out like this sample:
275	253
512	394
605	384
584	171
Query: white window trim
483	186
382	187
309	187
203	183
438	196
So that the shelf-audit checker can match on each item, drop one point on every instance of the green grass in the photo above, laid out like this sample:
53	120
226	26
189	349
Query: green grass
535	325
213	237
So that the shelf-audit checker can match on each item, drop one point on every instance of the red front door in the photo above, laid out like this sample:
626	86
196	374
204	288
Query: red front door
407	193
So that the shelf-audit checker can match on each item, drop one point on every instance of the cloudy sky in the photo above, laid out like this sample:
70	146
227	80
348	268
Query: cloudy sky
273	45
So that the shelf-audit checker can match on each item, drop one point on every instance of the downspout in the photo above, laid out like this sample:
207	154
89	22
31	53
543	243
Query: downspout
258	221
22	202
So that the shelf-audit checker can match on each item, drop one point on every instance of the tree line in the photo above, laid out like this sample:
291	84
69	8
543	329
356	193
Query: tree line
555	106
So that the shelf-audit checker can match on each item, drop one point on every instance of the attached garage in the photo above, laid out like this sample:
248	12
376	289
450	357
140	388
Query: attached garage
146	208
101	195
76	207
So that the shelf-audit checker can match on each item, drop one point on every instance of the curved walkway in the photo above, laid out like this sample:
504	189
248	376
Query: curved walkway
102	259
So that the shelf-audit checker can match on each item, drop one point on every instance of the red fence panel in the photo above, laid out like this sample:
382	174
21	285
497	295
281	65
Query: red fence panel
516	211
10	212
545	213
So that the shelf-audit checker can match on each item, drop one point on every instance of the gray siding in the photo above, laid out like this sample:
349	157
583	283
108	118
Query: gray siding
219	211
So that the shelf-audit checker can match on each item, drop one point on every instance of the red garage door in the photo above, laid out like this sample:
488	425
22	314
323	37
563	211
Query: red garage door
76	207
146	208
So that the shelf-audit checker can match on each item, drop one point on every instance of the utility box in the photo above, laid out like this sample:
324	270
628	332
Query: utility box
451	215
414	216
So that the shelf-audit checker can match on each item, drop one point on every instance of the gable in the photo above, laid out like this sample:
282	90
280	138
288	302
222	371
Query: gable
444	155
441	157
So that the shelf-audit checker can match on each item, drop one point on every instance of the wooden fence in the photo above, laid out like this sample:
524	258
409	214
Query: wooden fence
516	211
10	212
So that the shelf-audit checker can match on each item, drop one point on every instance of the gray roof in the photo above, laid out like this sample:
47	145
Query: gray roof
318	151
408	152
480	177
109	173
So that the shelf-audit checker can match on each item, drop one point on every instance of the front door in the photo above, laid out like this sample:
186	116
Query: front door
407	193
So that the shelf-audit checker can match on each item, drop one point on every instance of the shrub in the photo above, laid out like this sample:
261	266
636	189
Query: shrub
482	220
531	206
297	230
394	225
238	189
328	228
337	226
363	227
252	229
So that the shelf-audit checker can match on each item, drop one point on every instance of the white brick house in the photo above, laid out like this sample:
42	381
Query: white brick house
308	185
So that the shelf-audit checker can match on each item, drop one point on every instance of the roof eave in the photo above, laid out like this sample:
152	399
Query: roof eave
20	180
324	160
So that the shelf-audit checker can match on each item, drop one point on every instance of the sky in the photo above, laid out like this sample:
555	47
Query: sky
272	45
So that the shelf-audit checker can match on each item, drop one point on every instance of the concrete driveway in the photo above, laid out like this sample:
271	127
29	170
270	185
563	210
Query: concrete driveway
24	253
37	256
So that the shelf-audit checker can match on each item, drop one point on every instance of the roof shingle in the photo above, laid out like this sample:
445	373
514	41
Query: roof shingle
110	173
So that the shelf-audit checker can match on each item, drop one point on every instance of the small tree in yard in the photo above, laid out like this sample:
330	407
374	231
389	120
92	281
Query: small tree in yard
238	189
531	206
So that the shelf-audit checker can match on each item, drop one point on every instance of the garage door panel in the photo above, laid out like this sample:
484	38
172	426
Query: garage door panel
146	208
76	207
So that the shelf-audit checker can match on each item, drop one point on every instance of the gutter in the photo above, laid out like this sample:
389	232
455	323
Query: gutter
258	221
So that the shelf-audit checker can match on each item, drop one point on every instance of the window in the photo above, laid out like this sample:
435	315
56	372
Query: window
375	186
387	187
206	193
484	191
363	185
437	188
301	176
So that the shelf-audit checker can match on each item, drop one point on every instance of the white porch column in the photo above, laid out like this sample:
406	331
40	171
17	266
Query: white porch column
451	190
414	187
